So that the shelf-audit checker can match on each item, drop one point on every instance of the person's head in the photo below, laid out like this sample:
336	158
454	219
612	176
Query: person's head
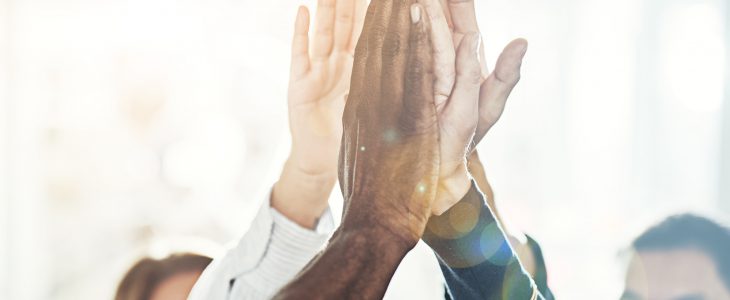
170	278
685	257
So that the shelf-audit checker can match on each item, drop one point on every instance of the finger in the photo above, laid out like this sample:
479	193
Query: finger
378	29
300	44
344	16
463	14
395	57
443	52
447	12
361	54
498	86
418	100
483	60
324	29
462	108
376	32
358	23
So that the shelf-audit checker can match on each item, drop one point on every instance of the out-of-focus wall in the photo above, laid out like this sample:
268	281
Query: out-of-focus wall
28	274
4	179
724	184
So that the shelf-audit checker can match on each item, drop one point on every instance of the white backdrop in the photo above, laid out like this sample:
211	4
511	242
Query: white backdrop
135	122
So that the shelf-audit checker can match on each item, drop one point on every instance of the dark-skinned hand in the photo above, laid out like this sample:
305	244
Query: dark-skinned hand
389	158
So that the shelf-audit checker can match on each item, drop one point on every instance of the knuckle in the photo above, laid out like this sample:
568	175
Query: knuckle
510	77
517	78
392	47
344	17
470	75
379	30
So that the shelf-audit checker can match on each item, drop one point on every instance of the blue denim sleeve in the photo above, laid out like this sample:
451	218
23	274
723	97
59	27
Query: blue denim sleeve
475	257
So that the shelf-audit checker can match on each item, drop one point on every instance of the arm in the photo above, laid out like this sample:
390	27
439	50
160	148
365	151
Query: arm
293	224
475	256
526	248
520	243
491	94
319	80
272	252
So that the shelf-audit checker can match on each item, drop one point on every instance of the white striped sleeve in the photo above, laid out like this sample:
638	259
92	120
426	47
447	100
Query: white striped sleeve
268	256
290	248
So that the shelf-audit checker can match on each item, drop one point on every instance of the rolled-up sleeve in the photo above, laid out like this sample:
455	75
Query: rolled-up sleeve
268	256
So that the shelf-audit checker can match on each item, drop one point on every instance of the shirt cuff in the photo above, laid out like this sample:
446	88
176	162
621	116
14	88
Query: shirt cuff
476	259
289	250
468	234
325	227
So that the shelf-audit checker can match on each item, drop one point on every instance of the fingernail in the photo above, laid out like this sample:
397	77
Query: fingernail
415	14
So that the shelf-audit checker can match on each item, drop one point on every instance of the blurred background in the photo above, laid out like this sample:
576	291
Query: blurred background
129	126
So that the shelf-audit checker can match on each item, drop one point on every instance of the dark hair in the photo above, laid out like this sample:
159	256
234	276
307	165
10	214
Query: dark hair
142	279
689	231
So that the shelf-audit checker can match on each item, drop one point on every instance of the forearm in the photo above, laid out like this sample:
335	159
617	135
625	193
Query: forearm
517	239
356	264
476	259
300	196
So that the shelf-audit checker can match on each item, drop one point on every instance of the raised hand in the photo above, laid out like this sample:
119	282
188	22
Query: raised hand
491	93
319	81
474	95
496	85
389	158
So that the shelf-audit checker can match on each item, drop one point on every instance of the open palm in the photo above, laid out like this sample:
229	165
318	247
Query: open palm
320	80
469	99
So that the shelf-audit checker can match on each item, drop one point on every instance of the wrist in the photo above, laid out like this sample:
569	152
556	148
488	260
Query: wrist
401	231
313	162
452	188
355	262
376	237
454	234
300	196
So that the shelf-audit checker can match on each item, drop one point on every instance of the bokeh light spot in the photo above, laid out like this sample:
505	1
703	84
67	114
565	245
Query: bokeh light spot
464	217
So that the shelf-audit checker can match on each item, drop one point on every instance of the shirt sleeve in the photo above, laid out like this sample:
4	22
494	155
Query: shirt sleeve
540	269
268	256
475	257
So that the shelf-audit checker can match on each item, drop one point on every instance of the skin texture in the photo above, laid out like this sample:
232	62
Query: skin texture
319	80
176	287
388	183
389	153
682	274
411	113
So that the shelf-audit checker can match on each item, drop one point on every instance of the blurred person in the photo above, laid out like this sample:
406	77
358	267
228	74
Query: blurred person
685	257
169	278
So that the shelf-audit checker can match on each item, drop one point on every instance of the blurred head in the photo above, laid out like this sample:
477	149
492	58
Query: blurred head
685	257
170	278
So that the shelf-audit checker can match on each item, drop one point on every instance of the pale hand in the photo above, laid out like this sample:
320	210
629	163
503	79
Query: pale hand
319	80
